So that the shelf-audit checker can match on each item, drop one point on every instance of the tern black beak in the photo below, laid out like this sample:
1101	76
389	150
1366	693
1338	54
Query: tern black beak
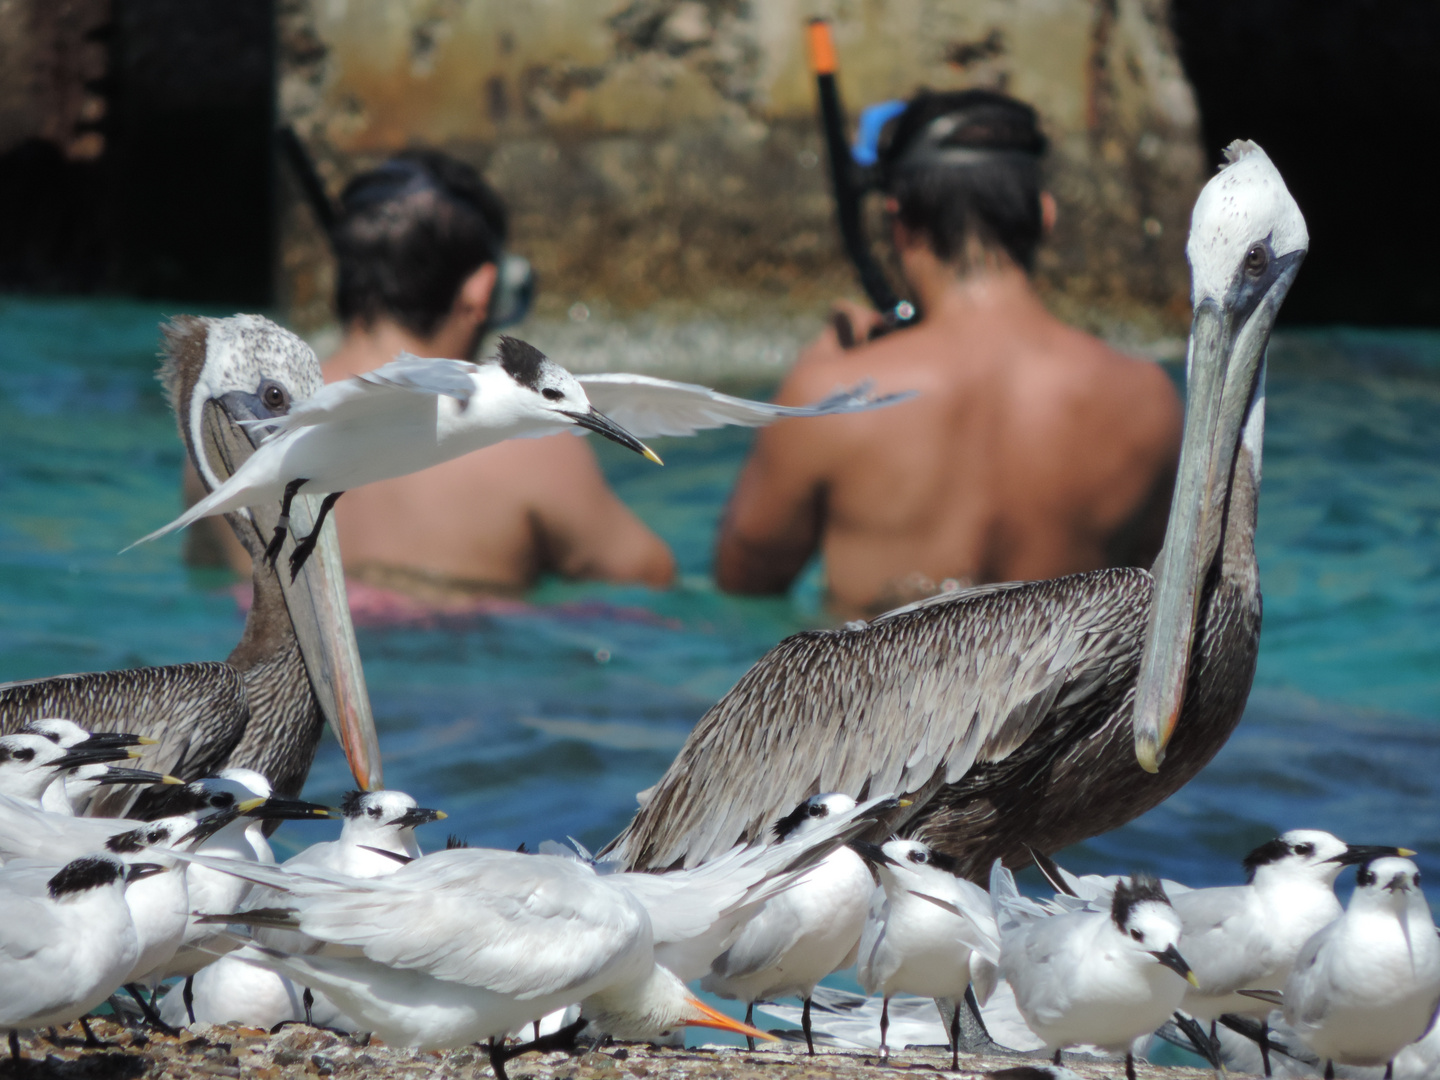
86	753
118	738
1356	854
417	815
601	424
288	809
211	825
136	776
135	871
873	854
1172	959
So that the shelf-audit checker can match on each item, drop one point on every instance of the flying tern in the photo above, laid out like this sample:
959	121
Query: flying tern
805	933
413	413
1102	978
1054	689
1368	984
296	667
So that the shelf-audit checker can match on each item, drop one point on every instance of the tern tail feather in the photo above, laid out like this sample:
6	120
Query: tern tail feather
220	501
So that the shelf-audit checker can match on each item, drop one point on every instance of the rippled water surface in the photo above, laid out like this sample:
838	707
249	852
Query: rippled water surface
545	720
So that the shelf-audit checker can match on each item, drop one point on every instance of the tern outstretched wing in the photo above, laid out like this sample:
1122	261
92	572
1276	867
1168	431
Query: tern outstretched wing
904	704
647	407
375	391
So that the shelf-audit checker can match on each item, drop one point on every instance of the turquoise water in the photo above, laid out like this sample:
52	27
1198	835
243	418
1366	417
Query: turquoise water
545	722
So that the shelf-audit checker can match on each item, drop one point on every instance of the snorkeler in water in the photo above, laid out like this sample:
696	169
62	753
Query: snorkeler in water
1034	450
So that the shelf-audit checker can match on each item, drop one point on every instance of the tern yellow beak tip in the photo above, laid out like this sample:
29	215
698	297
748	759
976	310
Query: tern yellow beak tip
905	802
250	804
133	752
653	456
145	740
1192	980
441	815
168	779
1404	852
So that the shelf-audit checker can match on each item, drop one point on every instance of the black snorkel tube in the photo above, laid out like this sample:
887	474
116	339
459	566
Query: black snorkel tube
848	190
514	290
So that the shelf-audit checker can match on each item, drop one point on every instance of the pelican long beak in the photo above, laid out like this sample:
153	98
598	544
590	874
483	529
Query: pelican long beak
704	1016
320	612
316	600
1225	365
598	422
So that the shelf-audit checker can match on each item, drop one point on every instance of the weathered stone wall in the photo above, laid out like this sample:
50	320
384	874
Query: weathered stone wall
667	148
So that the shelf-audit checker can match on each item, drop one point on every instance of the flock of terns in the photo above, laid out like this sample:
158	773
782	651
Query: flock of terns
978	730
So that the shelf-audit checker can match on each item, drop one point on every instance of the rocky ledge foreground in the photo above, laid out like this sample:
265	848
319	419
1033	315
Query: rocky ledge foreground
233	1052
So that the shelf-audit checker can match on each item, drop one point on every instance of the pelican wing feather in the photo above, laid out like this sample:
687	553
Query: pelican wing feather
646	406
905	704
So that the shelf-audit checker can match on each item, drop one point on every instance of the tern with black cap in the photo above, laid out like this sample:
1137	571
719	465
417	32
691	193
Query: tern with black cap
1101	978
66	939
413	413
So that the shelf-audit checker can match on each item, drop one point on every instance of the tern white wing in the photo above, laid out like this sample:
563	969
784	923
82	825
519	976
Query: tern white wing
374	392
523	925
647	407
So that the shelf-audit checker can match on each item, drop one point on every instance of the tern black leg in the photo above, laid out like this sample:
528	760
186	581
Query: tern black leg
955	1037
497	1060
14	1047
304	547
1056	1059
535	1029
1129	1065
147	1008
1390	1069
564	1039
885	1029
1329	1069
187	995
804	1026
307	999
272	550
90	1039
1265	1044
750	1019
1207	1046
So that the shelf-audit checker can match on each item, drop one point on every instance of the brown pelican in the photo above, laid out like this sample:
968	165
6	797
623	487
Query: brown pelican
296	665
1008	713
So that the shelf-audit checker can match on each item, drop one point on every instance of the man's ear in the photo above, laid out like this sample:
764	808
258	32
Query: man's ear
473	299
1048	213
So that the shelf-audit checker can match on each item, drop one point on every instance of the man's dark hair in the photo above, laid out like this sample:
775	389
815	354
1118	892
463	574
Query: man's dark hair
965	165
409	233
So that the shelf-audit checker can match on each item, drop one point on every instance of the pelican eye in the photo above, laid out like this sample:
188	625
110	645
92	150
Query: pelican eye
1137	935
1256	260
274	396
551	394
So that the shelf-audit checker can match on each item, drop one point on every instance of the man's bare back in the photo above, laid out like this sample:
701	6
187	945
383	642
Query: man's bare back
1032	451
